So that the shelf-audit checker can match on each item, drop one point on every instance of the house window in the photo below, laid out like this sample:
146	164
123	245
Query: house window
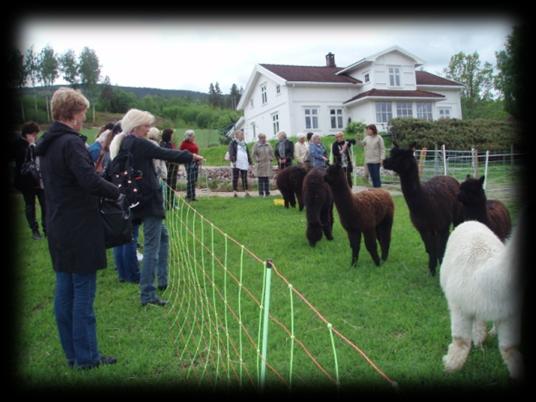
384	112
264	96
275	122
404	109
311	118
336	118
278	89
367	77
444	112
424	110
394	76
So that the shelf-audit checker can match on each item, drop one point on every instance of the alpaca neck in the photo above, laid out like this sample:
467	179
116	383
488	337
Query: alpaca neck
342	197
411	188
477	212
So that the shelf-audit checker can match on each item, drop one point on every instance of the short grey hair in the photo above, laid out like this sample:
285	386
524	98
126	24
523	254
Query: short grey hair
261	135
188	134
315	136
282	134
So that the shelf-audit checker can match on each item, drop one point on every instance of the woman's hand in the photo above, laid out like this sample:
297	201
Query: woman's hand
198	158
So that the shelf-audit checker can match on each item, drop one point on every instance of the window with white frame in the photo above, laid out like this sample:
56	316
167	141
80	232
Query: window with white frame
444	112
275	122
394	76
404	109
311	118
264	96
367	77
384	112
336	118
278	89
424	110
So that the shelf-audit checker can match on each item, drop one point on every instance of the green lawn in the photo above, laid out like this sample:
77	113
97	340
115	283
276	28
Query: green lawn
396	313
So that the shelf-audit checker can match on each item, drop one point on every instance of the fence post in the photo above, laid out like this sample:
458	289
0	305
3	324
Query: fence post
486	170
444	159
265	321
512	155
436	161
474	161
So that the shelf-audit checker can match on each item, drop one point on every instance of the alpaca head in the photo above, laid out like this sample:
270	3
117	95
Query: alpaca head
313	233
400	160
472	191
335	176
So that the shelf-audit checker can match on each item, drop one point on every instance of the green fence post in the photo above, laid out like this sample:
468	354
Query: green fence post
266	307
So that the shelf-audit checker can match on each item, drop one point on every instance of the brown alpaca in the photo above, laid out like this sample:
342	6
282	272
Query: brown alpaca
289	182
369	212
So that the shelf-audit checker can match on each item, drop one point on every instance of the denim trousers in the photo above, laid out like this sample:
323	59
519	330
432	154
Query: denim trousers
374	172
192	173
155	257
75	318
126	260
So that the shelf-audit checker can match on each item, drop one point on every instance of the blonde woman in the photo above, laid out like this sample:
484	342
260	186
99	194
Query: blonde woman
240	161
75	235
374	154
264	155
301	149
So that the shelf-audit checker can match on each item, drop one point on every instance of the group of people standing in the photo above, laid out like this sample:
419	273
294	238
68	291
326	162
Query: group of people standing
308	150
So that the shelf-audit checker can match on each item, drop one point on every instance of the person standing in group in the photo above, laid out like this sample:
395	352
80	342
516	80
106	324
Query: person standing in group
31	187
75	232
136	124
264	155
240	161
317	152
284	150
192	169
172	168
374	154
301	150
342	155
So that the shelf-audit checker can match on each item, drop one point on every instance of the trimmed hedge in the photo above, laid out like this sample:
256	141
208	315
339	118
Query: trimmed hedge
455	134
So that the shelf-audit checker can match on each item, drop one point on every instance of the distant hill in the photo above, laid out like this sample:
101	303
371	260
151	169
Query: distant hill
138	91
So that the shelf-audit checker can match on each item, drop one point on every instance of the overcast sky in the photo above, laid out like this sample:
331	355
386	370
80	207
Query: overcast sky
191	53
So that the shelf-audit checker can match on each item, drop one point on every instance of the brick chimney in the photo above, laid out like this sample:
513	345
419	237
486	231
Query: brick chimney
330	60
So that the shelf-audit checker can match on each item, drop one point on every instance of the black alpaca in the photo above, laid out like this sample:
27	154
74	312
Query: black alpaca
289	182
318	202
433	205
476	206
369	212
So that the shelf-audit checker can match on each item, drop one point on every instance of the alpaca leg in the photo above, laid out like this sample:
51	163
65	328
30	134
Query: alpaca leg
480	331
442	239
370	243
384	236
299	196
355	243
327	222
461	326
292	199
429	244
508	332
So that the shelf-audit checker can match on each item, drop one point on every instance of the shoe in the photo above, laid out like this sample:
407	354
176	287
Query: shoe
107	360
157	302
162	287
36	235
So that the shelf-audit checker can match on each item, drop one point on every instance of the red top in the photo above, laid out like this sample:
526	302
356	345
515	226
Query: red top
189	146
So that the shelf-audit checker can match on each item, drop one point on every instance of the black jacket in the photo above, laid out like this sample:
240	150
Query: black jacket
22	183
233	145
143	152
337	157
289	150
72	189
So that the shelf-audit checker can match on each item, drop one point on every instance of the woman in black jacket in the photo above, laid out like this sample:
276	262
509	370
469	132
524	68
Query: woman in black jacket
75	231
342	155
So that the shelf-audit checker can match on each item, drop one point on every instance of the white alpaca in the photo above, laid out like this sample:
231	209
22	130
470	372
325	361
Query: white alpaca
480	277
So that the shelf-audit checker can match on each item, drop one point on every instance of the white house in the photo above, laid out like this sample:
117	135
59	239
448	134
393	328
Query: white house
323	99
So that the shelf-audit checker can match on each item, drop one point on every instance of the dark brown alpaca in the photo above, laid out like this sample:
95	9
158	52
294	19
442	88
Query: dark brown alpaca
369	212
318	202
477	207
289	182
433	205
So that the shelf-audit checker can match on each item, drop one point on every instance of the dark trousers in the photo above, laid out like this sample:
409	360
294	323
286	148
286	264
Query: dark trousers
243	175
374	171
29	201
172	184
264	186
192	172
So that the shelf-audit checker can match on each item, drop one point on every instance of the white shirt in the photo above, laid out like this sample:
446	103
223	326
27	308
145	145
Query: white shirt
241	158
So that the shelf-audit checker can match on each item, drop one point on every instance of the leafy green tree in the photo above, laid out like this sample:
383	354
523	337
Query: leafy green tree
17	73
69	67
467	69
508	79
234	95
31	66
48	66
89	70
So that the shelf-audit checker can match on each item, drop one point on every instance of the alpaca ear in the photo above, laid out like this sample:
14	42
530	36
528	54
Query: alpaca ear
467	177
413	146
481	180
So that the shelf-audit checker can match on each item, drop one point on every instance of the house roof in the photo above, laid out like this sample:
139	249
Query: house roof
387	93
370	59
310	73
426	78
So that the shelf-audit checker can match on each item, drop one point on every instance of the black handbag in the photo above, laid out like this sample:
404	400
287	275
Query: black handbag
29	166
117	221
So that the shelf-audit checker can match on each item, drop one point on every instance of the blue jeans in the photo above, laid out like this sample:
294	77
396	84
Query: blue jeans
155	257
75	318
126	260
374	172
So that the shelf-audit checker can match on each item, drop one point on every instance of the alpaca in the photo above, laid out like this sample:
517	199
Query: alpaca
369	212
289	182
433	205
480	277
318	202
491	213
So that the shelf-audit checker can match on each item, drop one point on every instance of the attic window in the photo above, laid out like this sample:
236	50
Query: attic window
367	77
278	89
264	96
394	76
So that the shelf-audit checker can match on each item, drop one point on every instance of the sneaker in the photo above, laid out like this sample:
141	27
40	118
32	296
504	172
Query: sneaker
156	301
36	235
107	360
139	256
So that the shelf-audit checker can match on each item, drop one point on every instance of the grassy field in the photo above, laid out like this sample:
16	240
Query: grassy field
396	313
